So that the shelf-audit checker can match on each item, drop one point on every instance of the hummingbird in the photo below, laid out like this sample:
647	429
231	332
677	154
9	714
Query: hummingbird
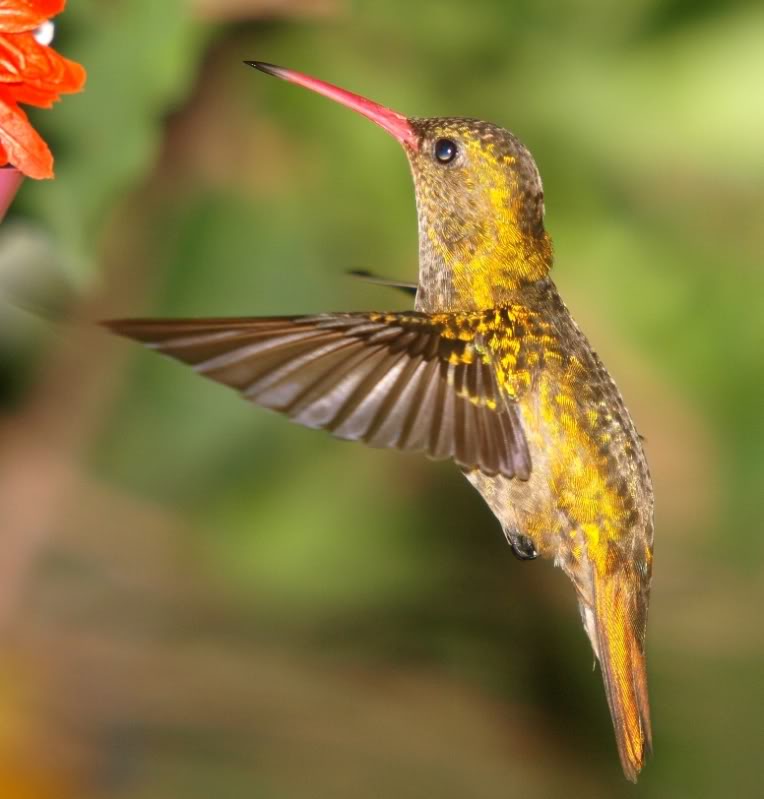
489	370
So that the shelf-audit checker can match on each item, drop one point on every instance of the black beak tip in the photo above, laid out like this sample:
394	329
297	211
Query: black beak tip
263	66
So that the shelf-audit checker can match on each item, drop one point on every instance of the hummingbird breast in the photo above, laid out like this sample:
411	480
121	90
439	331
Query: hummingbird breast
589	496
588	500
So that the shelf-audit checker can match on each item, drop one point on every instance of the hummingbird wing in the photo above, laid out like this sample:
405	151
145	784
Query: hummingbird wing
370	277
405	380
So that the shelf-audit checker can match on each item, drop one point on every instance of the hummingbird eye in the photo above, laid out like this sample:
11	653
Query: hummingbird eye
445	150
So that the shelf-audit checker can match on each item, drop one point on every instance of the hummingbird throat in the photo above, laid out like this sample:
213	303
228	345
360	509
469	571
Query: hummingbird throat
481	236
472	265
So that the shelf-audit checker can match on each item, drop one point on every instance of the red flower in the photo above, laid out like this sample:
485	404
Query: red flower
31	73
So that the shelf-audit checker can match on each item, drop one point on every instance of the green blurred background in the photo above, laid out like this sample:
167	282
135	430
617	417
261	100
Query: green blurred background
198	598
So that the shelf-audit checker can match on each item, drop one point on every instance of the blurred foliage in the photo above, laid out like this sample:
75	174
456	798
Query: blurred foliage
204	598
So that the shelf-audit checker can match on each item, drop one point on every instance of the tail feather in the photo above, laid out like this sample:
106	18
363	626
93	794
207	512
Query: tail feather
618	640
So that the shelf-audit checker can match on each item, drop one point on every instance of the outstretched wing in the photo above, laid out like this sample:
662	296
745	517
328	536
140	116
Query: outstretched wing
370	277
401	380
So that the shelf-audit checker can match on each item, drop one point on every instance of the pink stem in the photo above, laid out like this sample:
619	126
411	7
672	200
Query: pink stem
10	180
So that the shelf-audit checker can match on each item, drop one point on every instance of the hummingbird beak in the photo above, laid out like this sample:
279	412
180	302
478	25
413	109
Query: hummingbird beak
395	124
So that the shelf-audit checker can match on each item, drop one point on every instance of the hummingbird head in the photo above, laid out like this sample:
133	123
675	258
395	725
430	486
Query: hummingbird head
480	202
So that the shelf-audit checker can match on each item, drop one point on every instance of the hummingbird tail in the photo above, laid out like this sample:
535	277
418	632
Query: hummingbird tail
618	640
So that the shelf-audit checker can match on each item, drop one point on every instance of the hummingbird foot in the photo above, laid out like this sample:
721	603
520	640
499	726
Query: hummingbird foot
522	546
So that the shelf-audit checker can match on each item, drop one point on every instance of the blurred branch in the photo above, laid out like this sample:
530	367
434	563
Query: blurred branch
40	448
42	444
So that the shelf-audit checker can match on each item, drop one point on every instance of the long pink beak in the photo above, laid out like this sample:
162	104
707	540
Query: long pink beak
394	123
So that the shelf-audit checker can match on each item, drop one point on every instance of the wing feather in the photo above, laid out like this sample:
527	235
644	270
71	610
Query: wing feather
391	380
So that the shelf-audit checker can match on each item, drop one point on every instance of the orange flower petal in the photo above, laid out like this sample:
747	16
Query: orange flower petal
29	95
24	147
23	59
25	15
33	74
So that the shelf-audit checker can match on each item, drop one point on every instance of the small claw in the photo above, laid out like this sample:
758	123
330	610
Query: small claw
523	547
